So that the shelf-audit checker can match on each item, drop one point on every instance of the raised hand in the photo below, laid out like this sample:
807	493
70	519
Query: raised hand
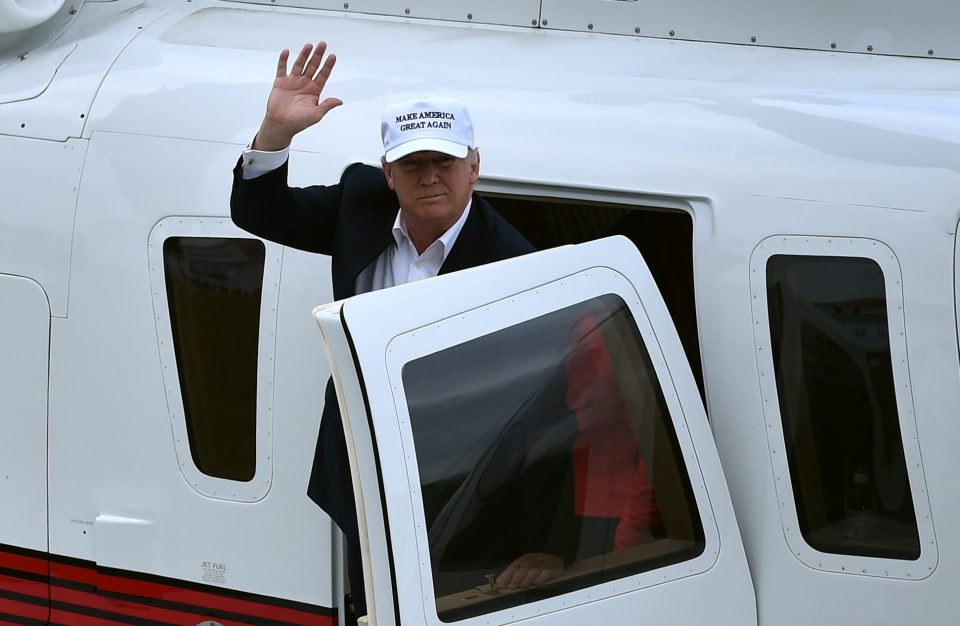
294	103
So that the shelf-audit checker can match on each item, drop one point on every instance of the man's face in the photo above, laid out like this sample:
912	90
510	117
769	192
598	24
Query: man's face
433	188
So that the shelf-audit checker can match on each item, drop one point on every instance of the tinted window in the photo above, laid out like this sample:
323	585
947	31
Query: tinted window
663	236
547	460
213	292
831	355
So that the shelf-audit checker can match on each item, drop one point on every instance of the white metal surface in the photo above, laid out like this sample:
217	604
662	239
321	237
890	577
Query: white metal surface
18	44
113	455
28	77
78	58
17	15
125	542
736	405
924	565
37	225
376	555
918	29
257	487
672	107
503	12
477	302
751	141
25	341
890	27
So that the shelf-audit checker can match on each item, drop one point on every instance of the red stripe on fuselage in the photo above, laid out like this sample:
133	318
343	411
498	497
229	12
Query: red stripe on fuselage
23	609
168	593
111	591
73	573
132	608
29	564
23	586
68	618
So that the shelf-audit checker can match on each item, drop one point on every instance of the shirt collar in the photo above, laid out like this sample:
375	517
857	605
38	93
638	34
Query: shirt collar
446	240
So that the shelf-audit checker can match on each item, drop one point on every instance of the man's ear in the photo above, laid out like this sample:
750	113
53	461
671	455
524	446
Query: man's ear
475	167
387	172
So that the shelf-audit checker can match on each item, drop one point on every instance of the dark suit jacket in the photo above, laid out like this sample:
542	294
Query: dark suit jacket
352	222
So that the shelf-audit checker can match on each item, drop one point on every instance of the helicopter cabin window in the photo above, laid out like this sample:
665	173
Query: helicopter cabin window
213	293
215	307
564	470
831	351
663	236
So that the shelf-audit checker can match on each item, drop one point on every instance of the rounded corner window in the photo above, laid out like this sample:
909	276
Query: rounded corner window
215	294
569	458
838	405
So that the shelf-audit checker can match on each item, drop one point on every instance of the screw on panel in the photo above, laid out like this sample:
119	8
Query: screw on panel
589	26
346	5
753	40
869	48
544	22
637	30
930	52
672	33
833	45
407	11
469	16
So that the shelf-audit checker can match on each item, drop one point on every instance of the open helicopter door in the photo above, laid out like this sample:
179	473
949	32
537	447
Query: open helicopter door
527	442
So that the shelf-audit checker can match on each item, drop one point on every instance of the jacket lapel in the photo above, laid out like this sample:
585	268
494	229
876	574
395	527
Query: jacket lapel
371	239
468	248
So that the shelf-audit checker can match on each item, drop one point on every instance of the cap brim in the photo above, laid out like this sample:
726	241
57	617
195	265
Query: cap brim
426	144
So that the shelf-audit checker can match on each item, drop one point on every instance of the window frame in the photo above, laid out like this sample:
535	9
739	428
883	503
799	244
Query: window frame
409	520
884	257
211	486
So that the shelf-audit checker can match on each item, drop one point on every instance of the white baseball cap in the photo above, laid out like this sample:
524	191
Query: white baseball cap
437	124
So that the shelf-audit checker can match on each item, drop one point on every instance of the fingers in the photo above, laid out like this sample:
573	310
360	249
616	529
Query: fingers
518	577
282	63
324	74
307	64
329	103
530	577
314	62
517	574
544	576
301	61
530	569
505	578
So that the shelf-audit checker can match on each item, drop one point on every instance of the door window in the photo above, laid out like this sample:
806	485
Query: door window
548	461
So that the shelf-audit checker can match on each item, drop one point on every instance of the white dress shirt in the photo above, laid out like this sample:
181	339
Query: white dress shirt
399	263
259	162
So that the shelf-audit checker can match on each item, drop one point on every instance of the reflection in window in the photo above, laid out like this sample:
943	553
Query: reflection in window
213	291
663	236
547	460
831	355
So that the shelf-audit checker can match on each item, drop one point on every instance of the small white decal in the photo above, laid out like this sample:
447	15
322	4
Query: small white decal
213	572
